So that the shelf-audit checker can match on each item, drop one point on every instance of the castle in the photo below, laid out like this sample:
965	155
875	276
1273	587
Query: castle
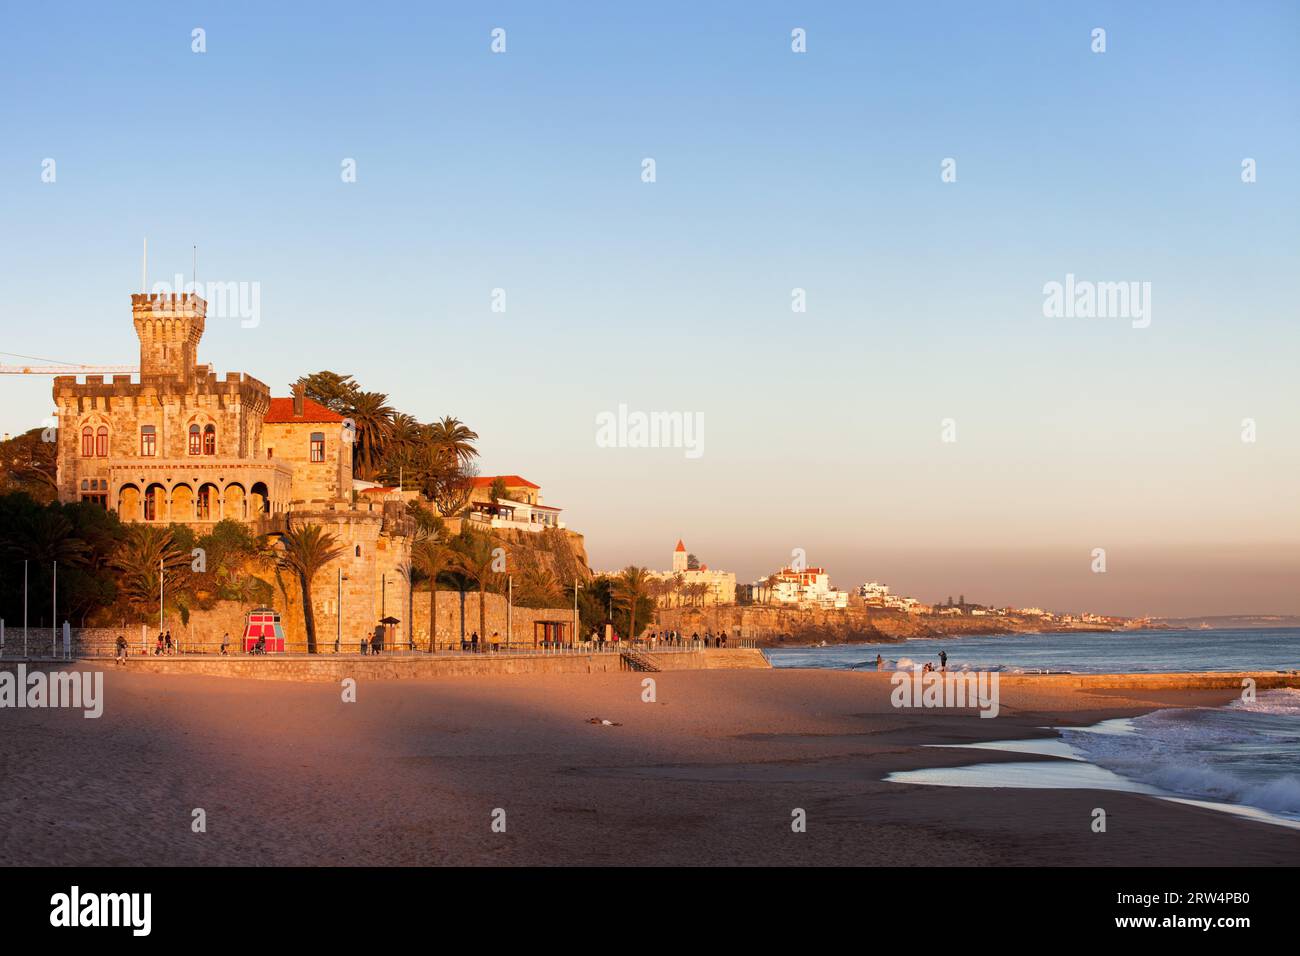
182	445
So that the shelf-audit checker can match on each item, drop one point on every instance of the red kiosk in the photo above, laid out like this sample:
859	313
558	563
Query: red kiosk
264	625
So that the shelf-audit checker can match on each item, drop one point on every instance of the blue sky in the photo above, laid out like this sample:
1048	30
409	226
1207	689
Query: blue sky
775	170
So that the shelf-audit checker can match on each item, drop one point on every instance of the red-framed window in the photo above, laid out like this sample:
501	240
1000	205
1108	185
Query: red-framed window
209	439
101	442
87	442
196	440
148	441
317	446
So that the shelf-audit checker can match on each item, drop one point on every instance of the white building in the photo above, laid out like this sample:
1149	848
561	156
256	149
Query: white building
685	585
810	587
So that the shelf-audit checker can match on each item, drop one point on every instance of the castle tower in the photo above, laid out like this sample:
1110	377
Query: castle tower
169	326
679	557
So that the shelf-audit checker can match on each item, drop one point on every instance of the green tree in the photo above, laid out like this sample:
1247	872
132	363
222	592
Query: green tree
431	557
331	389
145	552
478	558
303	552
631	588
372	417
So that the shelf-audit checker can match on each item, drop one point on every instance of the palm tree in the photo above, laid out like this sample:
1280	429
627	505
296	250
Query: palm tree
432	557
453	441
47	537
304	551
631	586
372	417
679	587
475	557
539	587
401	456
145	551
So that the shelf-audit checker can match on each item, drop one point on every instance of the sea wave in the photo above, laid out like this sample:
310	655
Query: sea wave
1284	701
1239	753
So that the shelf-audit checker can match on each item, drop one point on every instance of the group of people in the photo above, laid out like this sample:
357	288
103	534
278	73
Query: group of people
473	645
164	644
928	668
676	638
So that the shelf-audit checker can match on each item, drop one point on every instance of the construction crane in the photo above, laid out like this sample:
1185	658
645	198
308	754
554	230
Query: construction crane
68	369
55	367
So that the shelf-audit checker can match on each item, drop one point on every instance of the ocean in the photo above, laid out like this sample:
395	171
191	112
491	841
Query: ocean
1080	653
1243	757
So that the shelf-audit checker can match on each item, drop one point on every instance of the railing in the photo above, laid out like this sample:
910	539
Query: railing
42	649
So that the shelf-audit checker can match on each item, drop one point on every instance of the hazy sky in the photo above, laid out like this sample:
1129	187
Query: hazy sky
774	170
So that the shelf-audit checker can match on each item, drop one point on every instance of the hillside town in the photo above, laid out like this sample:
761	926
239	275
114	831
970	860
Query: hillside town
320	516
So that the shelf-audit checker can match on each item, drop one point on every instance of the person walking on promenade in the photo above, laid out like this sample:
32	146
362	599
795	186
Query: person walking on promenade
225	644
473	643
121	650
158	648
169	640
496	642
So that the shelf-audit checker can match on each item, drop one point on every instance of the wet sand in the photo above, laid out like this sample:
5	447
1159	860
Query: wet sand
411	773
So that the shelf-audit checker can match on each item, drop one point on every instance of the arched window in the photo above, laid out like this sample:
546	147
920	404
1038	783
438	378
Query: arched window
101	442
358	551
87	442
317	446
210	439
196	441
148	443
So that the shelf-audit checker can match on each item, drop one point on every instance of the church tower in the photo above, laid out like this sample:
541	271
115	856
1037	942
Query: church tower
169	326
679	557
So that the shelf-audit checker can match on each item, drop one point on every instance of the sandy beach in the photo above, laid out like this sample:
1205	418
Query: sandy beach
411	773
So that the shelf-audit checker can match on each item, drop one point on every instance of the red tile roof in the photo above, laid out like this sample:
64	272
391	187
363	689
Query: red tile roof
680	546
281	412
511	481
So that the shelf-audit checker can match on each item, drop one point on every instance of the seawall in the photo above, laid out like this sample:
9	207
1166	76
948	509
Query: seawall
422	666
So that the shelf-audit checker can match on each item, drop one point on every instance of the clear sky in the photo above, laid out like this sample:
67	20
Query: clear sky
774	170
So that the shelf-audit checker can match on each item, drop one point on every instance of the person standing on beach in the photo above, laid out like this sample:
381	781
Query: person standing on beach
880	663
943	661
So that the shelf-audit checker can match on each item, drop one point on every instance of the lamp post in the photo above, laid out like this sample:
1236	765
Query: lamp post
54	612
577	586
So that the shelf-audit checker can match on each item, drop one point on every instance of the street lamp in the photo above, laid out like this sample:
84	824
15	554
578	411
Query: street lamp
338	613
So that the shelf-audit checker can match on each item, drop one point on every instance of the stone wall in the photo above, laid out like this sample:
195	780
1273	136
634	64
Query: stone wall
425	666
458	619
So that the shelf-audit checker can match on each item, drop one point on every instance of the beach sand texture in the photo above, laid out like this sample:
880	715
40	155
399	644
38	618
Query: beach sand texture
411	773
